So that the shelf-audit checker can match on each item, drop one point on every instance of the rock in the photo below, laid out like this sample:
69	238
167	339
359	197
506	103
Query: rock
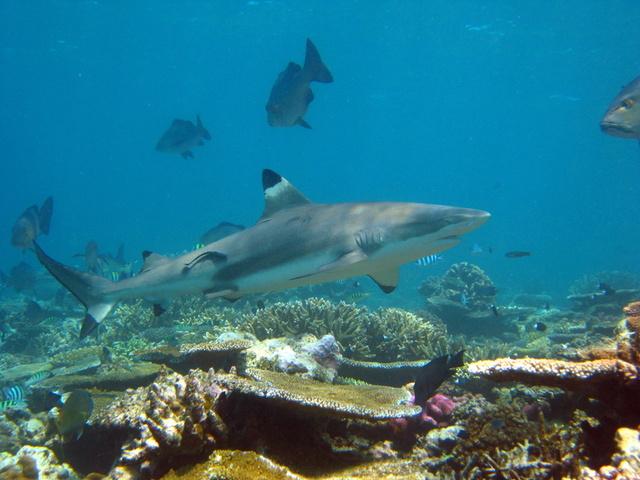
107	377
441	440
37	463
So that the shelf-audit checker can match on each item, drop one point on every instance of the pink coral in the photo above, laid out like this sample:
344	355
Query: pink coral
437	410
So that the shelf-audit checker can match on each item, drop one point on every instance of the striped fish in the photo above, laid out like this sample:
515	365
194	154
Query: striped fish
13	394
37	377
7	404
428	260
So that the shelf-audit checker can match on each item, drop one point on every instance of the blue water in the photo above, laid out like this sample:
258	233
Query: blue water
490	105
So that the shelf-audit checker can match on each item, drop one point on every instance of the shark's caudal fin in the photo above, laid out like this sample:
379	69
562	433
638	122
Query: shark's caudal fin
313	66
89	289
204	133
279	193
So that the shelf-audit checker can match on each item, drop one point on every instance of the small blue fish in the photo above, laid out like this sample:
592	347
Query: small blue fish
428	260
15	393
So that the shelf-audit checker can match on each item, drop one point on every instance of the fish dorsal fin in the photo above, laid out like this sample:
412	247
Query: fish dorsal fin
387	280
152	260
279	194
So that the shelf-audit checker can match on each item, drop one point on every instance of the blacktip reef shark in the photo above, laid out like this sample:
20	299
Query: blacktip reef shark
296	242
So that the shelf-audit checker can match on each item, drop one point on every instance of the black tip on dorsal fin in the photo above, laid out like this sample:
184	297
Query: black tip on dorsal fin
270	178
279	194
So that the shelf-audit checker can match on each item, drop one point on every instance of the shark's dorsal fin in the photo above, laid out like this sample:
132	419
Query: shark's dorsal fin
152	260
279	194
387	280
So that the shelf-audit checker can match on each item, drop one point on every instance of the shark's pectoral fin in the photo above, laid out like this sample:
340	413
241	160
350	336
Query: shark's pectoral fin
387	280
212	256
152	260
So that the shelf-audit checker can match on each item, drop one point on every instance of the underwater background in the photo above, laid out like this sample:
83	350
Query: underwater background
484	105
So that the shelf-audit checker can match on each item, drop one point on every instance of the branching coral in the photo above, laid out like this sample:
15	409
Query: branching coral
385	335
398	335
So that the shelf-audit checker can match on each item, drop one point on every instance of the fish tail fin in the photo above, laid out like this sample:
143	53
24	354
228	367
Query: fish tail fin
203	131
456	360
89	289
313	66
44	215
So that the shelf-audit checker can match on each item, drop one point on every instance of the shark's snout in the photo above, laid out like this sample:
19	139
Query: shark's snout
463	220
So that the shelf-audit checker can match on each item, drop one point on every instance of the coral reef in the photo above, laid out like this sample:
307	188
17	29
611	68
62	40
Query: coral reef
203	355
461	297
36	463
314	316
20	427
371	402
386	335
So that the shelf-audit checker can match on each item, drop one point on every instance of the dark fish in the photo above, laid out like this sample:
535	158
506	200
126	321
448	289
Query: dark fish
622	118
606	289
517	254
90	256
73	414
114	267
540	326
433	374
182	136
21	277
290	95
223	229
494	309
32	223
260	304
35	313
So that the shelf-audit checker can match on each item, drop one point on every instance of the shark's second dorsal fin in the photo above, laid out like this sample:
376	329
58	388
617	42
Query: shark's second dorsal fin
151	260
279	194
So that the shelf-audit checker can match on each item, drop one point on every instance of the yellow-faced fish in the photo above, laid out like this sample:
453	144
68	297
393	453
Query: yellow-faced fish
32	223
623	115
290	95
73	414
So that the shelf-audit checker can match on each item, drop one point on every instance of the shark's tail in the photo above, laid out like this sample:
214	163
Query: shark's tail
313	66
87	288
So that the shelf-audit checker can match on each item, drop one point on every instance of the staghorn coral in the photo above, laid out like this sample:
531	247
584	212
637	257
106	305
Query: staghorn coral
316	316
386	335
398	335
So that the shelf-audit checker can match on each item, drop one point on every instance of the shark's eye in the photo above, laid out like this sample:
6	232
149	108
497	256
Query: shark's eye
628	103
